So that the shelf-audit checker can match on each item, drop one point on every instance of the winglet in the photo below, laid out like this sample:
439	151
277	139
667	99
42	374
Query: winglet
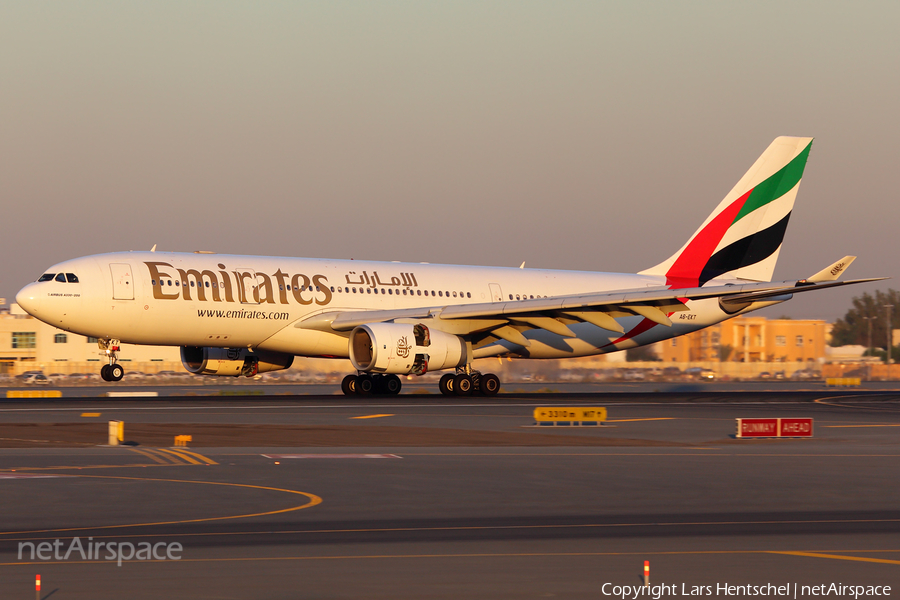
833	271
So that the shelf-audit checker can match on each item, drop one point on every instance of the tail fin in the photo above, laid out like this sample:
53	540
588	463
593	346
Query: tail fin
741	239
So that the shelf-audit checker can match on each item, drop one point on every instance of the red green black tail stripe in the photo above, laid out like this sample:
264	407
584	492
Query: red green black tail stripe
695	265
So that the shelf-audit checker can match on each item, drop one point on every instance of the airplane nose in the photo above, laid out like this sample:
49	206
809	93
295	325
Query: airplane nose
27	299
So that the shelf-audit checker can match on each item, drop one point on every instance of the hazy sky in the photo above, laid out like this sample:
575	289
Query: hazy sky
572	135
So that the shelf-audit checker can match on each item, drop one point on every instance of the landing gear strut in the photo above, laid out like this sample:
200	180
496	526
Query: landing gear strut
365	384
112	371
467	382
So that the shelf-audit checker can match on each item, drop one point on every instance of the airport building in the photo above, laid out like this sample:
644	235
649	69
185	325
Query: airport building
27	344
752	339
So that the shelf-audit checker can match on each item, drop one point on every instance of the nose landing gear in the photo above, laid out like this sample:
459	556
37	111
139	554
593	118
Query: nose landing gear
112	371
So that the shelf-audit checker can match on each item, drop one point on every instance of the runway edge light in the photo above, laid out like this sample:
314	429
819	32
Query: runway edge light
647	573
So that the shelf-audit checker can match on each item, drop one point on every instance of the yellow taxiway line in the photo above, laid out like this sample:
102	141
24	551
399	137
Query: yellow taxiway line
312	500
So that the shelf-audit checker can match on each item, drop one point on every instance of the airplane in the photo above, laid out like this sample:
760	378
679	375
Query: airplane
238	315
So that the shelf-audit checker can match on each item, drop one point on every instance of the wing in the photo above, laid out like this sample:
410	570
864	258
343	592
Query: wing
487	322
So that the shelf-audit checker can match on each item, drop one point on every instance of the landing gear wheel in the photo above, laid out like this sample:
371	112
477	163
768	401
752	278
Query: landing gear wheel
475	376
392	385
462	385
446	384
490	384
364	385
104	373
378	383
115	372
348	385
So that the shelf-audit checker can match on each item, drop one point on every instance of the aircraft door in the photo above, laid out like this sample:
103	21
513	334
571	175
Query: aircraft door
123	283
496	294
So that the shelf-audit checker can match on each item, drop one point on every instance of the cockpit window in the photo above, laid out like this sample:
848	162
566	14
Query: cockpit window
61	277
47	277
71	278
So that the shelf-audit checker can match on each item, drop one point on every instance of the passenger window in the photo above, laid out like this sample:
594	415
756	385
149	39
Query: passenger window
454	294
207	284
418	292
47	277
153	282
517	297
440	293
170	283
177	284
510	297
468	294
71	278
61	277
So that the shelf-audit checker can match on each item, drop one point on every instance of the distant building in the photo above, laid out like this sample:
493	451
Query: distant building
752	339
27	344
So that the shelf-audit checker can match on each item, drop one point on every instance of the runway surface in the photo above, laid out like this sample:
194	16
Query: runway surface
486	512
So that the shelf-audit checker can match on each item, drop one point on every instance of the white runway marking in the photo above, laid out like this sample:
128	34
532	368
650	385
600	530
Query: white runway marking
28	476
285	456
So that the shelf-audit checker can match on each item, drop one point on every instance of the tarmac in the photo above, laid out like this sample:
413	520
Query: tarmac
422	496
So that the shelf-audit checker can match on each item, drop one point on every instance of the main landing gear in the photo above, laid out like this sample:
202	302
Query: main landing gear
112	371
469	384
462	383
365	384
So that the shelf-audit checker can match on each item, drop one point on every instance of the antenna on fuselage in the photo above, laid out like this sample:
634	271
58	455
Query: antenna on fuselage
153	249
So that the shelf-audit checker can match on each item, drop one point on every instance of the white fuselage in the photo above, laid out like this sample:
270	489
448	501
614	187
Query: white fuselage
197	299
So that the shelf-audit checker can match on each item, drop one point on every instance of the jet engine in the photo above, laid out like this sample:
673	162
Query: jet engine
404	348
232	362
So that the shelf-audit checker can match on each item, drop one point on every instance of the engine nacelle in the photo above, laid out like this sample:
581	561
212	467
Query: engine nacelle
404	348
232	362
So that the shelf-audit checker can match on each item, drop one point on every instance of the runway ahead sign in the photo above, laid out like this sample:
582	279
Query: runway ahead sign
766	428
